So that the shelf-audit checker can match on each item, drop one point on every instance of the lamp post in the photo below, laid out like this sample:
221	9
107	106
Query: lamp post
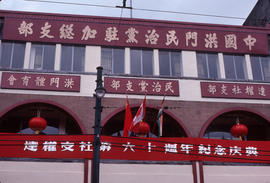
100	92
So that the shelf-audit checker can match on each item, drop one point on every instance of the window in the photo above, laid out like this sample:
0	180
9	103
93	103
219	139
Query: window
113	60
72	58
260	68
235	67
12	55
207	65
42	57
141	62
170	63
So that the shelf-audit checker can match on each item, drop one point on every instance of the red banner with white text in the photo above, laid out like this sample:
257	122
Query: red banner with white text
147	149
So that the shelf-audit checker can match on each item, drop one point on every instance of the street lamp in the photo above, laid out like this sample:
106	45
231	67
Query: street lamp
100	92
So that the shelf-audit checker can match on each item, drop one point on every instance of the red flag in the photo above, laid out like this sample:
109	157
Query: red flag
128	120
140	114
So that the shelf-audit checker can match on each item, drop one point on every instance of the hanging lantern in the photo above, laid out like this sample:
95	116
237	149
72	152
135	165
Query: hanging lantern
37	124
141	128
239	130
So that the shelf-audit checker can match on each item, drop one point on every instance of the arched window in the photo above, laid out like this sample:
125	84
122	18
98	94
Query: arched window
258	127
171	128
58	120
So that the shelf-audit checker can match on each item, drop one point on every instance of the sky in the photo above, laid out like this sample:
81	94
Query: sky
239	9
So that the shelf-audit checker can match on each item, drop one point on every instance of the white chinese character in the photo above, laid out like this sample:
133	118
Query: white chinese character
150	147
219	150
172	148
251	151
205	150
261	91
212	89
186	148
236	89
40	81
115	84
69	83
54	81
250	41
11	80
129	86
128	145
131	33
66	31
143	84
25	28
85	146
235	150
49	146
111	34
45	31
25	80
151	37
171	37
88	33
211	40
224	90
105	146
67	146
156	87
230	41
31	145
169	87
249	90
193	36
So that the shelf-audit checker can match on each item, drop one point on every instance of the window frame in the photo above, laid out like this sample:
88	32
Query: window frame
141	51
206	65
170	52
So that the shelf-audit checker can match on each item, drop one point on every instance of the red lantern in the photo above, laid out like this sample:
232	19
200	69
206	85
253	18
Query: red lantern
239	130
141	128
37	124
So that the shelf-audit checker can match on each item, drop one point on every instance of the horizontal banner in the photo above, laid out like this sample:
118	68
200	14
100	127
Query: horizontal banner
147	149
134	33
141	86
235	90
46	82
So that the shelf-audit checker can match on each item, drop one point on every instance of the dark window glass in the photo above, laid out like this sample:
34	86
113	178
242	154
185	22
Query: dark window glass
12	55
260	68
169	63
207	65
141	62
235	67
113	60
72	58
42	57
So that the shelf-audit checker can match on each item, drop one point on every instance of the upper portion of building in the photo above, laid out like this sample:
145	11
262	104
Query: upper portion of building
260	15
66	44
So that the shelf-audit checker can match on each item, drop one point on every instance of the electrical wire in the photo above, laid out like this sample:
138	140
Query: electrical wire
141	9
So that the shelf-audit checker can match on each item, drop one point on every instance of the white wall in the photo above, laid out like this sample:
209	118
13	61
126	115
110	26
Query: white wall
41	172
236	174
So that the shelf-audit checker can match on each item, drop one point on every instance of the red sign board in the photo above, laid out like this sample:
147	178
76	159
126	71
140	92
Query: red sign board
132	33
50	82
235	90
141	86
148	149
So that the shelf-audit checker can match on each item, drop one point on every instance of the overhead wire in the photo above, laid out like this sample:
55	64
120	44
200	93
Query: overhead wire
140	9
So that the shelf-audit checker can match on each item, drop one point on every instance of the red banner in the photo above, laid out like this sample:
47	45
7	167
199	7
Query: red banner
235	90
49	82
148	149
141	86
132	33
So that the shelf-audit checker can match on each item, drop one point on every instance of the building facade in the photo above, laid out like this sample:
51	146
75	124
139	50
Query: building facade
210	76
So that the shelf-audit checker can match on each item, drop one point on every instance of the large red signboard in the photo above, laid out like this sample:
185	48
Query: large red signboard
235	90
132	33
149	149
141	86
30	81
